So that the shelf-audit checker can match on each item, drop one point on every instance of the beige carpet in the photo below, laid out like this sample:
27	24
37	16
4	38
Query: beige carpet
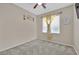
40	47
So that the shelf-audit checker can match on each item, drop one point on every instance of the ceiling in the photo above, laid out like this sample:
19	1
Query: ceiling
40	10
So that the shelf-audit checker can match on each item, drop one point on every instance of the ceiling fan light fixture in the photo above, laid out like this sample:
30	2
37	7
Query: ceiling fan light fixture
39	4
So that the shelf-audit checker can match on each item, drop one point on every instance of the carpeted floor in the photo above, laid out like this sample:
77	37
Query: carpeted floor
40	47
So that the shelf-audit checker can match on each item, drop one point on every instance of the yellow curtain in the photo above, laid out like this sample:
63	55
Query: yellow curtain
49	19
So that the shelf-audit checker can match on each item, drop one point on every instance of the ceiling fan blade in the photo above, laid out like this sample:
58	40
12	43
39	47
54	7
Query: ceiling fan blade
43	5
35	5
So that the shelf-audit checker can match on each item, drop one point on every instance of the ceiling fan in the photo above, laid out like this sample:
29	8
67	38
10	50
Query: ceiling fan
40	4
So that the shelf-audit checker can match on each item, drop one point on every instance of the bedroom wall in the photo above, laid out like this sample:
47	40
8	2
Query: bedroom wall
76	31
13	29
66	26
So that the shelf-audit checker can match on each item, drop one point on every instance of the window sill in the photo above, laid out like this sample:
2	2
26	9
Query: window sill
50	33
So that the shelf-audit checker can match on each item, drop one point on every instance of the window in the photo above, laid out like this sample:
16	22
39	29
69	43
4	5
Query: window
53	21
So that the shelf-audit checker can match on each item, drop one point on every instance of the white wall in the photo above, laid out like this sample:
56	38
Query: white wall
13	29
76	31
66	28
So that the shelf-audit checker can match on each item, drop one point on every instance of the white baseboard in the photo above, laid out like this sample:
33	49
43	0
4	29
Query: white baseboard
76	50
58	42
17	45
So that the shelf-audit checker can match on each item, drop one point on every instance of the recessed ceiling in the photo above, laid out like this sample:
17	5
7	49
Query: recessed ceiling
40	10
